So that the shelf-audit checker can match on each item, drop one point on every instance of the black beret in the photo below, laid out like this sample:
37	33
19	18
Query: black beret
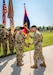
21	28
33	26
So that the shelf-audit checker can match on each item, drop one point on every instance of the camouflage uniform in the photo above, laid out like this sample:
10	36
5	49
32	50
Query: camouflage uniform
0	40
11	42
20	43
37	41
4	41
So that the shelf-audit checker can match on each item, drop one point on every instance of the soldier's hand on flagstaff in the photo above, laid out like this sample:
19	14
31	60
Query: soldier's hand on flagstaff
28	44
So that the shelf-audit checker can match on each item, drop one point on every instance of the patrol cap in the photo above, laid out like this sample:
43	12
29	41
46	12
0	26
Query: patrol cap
10	29
17	29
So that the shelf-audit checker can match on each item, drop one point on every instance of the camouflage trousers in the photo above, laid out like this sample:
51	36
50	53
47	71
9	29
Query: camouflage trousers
19	55
38	54
11	46
4	45
0	46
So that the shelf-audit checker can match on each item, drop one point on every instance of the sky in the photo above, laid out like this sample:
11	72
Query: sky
40	12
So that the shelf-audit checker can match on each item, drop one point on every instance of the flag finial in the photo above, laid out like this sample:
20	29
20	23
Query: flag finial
24	4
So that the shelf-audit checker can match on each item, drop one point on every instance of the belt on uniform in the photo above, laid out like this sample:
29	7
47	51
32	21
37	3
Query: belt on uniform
38	42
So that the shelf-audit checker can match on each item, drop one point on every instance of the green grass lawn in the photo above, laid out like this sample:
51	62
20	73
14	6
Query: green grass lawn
47	40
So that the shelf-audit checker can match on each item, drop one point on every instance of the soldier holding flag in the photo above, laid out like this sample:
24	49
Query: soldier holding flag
20	43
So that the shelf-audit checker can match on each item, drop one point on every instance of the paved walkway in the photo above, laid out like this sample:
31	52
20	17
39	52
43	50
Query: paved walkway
8	64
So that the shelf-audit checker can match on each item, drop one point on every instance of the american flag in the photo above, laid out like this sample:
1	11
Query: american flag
4	13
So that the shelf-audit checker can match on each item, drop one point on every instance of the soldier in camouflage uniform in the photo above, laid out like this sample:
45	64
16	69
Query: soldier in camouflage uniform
0	40
37	41
4	35
20	43
11	41
15	31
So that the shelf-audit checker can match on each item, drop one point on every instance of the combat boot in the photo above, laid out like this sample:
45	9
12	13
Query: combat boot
34	66
20	64
43	64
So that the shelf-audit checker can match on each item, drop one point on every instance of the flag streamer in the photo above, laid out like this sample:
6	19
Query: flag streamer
26	23
11	15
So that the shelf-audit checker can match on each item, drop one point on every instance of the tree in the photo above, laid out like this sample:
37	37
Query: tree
44	28
47	28
40	28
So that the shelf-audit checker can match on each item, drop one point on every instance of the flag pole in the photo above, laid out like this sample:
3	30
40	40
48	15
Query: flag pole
27	35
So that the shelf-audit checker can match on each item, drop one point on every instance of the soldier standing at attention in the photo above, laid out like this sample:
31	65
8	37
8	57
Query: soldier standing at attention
37	41
20	43
4	35
11	41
